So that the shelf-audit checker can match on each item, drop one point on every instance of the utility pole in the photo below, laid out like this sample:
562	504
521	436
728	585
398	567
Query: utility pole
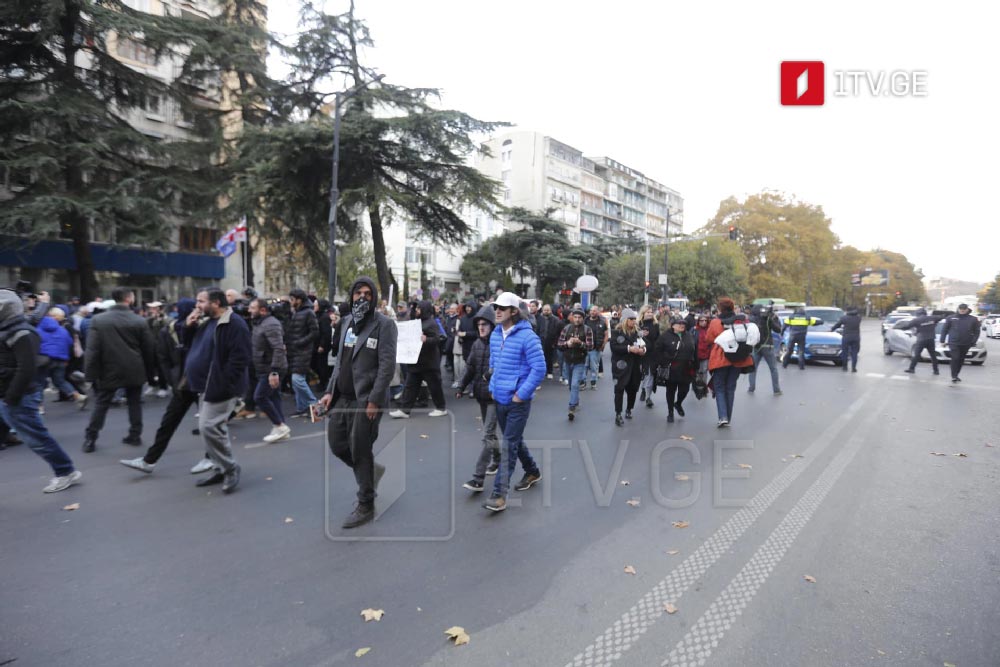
339	98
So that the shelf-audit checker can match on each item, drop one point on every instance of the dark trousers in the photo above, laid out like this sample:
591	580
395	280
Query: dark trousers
180	401
490	453
919	347
676	393
793	340
628	385
249	401
412	387
550	356
269	400
849	348
352	439
958	353
104	397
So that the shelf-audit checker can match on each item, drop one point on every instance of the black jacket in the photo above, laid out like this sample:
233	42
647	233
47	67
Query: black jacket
924	325
677	353
477	369
300	341
623	363
600	328
961	330
652	333
19	345
766	323
120	350
227	372
430	351
269	355
851	322
170	352
467	324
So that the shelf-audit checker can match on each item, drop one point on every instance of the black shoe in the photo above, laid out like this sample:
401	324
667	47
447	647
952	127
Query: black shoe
618	419
642	395
362	514
231	480
133	440
473	485
649	402
89	445
844	368
854	370
196	431
216	478
909	370
628	414
12	439
956	380
670	417
527	481
751	390
492	468
572	414
679	409
936	372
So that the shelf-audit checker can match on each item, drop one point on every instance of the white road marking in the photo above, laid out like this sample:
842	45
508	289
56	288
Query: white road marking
696	646
875	375
620	637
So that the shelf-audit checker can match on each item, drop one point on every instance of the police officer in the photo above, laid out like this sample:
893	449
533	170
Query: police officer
797	325
924	325
851	338
961	332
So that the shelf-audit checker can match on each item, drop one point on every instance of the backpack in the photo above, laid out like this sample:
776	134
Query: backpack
743	348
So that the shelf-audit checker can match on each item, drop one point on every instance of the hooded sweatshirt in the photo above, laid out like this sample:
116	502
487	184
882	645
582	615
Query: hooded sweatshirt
56	343
18	350
430	352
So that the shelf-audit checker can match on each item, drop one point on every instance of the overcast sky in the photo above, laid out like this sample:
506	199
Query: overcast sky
688	93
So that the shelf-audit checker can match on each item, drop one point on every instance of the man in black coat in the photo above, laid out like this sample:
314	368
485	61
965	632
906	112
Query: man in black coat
427	368
120	354
924	325
300	341
961	332
850	339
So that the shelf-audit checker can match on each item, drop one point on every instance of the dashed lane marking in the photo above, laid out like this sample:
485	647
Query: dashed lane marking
697	645
627	630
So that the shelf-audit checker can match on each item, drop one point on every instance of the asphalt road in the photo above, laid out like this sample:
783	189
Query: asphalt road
834	480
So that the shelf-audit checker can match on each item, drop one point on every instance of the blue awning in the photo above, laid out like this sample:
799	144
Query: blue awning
59	255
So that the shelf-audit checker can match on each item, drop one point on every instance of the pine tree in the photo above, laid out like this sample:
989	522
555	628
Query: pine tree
65	100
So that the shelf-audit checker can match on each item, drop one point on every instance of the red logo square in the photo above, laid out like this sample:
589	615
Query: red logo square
802	82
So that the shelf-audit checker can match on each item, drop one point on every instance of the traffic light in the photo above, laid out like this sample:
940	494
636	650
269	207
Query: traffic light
898	294
732	232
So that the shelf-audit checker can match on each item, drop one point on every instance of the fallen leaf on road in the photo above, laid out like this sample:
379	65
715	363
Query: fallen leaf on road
744	466
880	652
361	651
960	454
784	460
796	456
629	569
458	634
948	664
268	479
424	436
372	614
625	482
681	524
673	552
682	478
289	519
669	608
686	437
810	579
988	444
632	503
938	454
70	508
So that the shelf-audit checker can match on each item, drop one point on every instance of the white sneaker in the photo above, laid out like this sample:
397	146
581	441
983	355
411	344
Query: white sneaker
149	391
437	413
63	483
399	414
41	409
549	376
202	466
456	385
138	464
277	433
162	393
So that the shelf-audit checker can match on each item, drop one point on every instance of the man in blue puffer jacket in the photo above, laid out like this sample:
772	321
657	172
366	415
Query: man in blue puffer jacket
517	366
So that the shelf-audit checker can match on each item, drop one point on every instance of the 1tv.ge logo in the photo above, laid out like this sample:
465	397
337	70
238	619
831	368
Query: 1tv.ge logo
803	83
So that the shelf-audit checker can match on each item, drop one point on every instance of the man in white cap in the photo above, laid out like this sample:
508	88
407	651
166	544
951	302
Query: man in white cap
517	367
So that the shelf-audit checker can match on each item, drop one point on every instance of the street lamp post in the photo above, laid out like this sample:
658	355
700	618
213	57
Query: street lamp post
339	98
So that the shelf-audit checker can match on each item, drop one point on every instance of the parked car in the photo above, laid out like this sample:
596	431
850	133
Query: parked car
892	318
901	341
821	343
991	325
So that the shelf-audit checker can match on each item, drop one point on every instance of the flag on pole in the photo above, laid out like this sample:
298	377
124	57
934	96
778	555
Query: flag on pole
227	244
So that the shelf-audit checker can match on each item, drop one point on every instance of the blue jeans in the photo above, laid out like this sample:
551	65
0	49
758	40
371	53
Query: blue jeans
593	362
24	418
849	348
269	400
57	371
512	418
767	354
724	380
562	364
303	394
576	374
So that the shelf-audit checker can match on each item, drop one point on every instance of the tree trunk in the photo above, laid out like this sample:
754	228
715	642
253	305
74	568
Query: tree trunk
378	248
79	229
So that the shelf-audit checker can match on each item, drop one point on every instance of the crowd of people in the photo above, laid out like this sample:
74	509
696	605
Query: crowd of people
230	355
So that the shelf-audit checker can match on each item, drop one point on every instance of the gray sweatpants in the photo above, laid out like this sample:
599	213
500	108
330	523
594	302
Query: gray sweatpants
215	431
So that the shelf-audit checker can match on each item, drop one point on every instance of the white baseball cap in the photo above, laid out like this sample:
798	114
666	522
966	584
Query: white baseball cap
507	300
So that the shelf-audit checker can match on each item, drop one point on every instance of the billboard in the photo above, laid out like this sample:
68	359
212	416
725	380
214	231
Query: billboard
870	278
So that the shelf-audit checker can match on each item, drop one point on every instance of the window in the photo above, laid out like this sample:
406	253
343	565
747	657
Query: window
418	256
505	177
154	107
137	5
197	239
133	50
505	156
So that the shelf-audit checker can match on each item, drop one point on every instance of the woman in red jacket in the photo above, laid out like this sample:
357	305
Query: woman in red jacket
725	373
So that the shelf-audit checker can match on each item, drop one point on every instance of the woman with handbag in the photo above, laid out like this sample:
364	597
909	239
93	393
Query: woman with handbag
627	353
649	330
676	359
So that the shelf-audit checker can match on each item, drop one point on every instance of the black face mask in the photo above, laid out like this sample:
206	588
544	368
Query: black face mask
359	310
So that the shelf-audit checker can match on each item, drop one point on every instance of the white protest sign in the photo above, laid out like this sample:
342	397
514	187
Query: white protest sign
408	341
